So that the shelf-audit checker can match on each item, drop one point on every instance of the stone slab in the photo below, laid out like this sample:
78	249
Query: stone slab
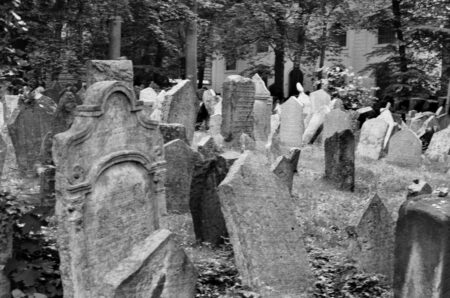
405	149
371	139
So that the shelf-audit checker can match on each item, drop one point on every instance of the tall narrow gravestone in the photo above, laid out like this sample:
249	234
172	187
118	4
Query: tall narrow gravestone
371	139
422	248
109	175
237	107
336	121
180	105
291	126
266	237
262	110
340	160
405	149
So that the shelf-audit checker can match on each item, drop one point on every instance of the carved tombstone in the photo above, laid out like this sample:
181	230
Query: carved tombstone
109	182
237	107
180	105
371	139
266	238
285	166
375	238
291	123
340	160
405	149
180	160
262	110
110	70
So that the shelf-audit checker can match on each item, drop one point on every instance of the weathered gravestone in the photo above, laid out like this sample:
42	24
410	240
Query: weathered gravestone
439	147
237	107
207	217
109	180
374	251
264	232
291	123
285	166
405	149
418	188
336	121
27	127
148	96
340	160
110	70
315	125
180	160
262	110
180	106
371	139
386	115
319	99
172	131
11	103
422	248
207	147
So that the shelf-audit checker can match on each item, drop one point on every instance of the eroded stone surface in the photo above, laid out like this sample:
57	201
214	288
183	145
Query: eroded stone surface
418	188
262	110
319	99
371	140
172	131
315	125
110	70
264	232
291	123
439	146
336	121
285	166
405	149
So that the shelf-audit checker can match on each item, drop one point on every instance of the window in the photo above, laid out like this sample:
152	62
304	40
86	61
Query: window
386	35
230	63
262	47
339	35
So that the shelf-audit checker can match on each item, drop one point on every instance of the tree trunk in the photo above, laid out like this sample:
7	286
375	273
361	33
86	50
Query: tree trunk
191	48
278	85
397	23
323	48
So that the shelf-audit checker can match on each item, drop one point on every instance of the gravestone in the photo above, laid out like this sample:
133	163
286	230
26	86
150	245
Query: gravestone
237	107
418	188
405	149
54	91
266	237
439	146
27	127
215	124
371	139
375	236
110	70
180	160
315	125
291	123
207	217
246	143
207	147
172	131
11	103
340	160
109	184
262	110
386	115
148	96
180	105
319	99
421	248
285	166
212	102
336	121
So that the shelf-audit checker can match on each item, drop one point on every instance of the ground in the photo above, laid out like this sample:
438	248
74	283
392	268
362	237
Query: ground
325	213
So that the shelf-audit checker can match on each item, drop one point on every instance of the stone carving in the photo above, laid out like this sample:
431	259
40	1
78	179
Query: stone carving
109	185
110	70
264	232
371	139
405	149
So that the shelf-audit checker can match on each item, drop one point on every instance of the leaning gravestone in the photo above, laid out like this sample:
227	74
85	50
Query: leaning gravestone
285	166
386	115
421	248
375	236
110	70
237	107
262	110
439	146
266	237
291	123
148	96
371	139
180	160
180	105
340	160
315	125
27	127
109	178
405	149
319	99
336	121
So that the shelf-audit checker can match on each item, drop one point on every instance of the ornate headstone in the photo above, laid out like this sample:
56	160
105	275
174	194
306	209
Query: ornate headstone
421	248
291	123
375	237
237	107
109	182
264	232
180	160
262	110
340	160
439	146
371	139
336	121
110	70
285	166
180	106
405	149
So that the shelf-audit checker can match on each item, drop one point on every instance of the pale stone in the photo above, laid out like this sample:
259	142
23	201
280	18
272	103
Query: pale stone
315	125
180	106
418	188
207	147
291	123
336	121
180	160
260	87
237	107
285	166
319	99
386	115
215	124
405	149
262	110
210	99
110	70
439	146
246	142
11	104
371	140
109	187
148	96
266	237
